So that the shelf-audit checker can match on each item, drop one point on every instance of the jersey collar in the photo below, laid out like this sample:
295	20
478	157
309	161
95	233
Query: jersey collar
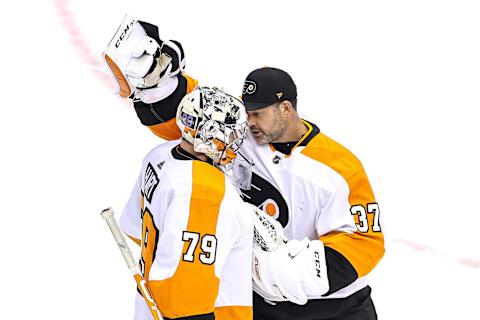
181	154
287	147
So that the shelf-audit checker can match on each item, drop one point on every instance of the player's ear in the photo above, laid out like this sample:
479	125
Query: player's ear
286	107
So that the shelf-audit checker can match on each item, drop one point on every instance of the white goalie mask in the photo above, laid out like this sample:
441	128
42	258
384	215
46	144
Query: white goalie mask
214	122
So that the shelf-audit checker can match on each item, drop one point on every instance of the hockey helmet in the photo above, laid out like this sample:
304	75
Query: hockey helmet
214	122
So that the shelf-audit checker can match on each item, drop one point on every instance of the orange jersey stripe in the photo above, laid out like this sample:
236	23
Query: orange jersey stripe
191	83
167	130
193	288
362	249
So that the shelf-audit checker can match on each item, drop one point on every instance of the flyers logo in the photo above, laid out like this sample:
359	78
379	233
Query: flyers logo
270	206
265	196
249	87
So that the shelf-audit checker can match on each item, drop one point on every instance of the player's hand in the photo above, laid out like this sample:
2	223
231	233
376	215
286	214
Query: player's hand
295	271
144	66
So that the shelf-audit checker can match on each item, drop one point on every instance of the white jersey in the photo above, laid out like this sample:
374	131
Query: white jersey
196	238
320	191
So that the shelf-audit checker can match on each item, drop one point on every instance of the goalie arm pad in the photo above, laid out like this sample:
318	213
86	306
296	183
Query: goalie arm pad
296	271
150	72
159	116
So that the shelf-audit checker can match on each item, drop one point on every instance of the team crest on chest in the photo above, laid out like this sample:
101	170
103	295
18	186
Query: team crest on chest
150	182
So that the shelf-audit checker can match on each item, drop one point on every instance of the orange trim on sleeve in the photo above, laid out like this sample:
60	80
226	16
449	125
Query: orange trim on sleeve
193	288
362	250
167	130
234	313
191	83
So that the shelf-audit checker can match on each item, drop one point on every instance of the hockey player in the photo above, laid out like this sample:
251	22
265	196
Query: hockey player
194	230
316	189
320	193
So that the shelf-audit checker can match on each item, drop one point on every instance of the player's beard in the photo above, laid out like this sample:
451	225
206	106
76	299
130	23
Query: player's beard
274	132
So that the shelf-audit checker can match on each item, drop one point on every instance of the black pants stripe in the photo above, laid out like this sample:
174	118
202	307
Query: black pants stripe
358	306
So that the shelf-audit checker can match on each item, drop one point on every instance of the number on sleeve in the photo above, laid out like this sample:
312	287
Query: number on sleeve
363	225
149	242
373	208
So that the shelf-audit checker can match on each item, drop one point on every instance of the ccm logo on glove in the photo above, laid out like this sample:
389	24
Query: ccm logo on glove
122	35
317	264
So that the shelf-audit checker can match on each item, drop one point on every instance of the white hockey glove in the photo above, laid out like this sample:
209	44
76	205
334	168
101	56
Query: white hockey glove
144	66
292	272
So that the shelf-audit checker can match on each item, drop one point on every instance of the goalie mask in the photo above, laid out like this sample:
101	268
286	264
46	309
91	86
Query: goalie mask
215	124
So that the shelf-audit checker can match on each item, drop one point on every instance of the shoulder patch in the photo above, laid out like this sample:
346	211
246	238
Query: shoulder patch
150	182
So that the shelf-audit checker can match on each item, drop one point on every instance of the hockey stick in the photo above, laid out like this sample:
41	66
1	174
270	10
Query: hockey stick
107	214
